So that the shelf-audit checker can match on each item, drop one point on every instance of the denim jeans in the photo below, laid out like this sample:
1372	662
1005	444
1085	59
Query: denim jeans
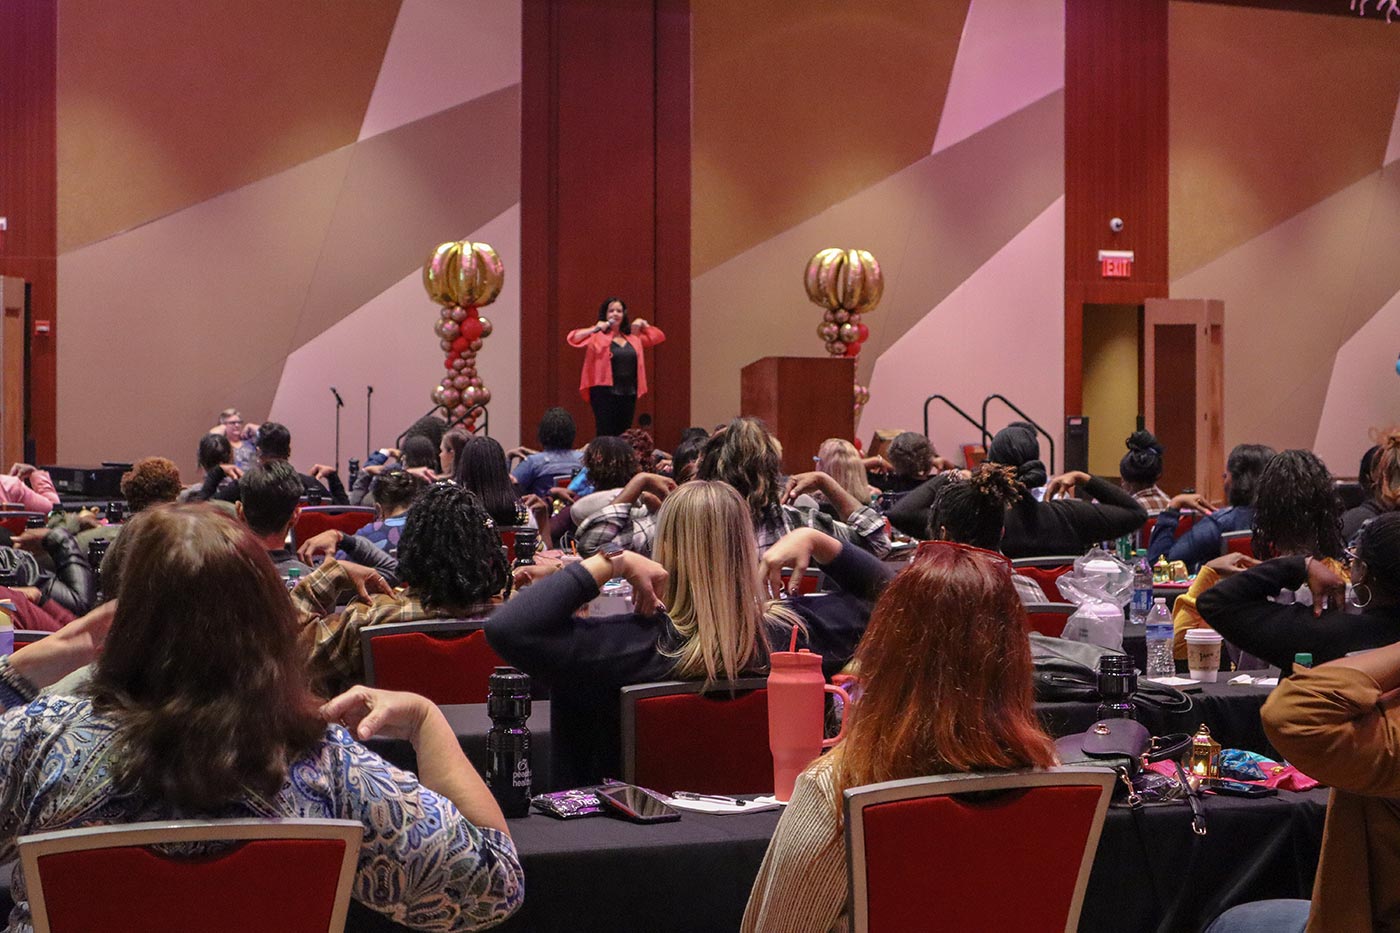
1278	916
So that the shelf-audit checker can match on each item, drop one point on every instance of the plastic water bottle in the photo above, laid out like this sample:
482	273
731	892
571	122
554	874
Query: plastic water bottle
1161	662
614	599
1142	589
292	578
508	772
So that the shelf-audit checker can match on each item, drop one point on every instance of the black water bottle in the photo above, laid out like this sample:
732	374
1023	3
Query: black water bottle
354	470
1117	684
526	541
97	549
508	772
35	521
115	513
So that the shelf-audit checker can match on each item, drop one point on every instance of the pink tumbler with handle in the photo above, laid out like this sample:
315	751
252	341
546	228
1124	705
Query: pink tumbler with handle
795	715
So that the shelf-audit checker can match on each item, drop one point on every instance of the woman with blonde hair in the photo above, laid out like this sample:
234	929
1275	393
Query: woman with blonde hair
839	459
946	677
700	613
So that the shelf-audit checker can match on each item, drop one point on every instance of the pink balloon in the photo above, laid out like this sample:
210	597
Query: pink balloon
459	364
460	382
474	346
451	396
459	315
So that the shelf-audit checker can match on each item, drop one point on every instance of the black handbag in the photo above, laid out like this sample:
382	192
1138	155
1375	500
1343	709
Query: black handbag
1067	671
1128	748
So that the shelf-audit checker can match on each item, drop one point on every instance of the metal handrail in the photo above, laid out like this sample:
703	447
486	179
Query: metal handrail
981	428
484	429
1024	417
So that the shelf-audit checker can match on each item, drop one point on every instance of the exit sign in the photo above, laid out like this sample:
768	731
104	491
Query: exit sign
1116	263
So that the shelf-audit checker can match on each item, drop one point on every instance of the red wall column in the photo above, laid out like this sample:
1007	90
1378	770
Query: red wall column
29	187
605	194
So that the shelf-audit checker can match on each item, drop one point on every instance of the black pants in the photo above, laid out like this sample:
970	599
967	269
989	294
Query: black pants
612	414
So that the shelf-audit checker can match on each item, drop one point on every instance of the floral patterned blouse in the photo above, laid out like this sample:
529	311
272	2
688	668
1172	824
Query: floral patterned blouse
422	863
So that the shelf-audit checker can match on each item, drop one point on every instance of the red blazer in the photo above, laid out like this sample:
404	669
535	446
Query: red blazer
597	361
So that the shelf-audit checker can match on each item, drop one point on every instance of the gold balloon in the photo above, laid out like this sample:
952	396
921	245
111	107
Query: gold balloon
849	280
486	327
440	273
849	334
827	332
480	274
836	348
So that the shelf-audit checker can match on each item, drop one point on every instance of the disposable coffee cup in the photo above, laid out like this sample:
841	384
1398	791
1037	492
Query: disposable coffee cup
1203	654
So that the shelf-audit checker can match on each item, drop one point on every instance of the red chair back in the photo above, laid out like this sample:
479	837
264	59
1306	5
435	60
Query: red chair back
973	455
1049	618
810	583
1045	578
448	662
1024	845
671	734
1237	542
16	522
1183	525
315	519
293	885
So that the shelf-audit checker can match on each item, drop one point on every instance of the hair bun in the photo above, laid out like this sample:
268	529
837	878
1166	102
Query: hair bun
1144	440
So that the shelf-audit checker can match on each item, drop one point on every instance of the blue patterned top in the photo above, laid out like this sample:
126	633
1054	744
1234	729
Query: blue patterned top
422	863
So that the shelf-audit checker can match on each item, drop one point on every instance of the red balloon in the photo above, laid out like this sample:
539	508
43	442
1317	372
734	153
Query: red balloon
472	313
447	363
852	349
864	333
471	329
460	345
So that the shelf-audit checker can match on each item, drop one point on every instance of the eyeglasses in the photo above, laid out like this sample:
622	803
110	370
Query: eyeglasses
232	422
929	548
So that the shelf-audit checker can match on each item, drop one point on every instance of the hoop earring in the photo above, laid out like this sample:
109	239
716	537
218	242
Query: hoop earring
1356	590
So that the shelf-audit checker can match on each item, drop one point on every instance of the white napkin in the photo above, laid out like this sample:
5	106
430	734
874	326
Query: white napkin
715	806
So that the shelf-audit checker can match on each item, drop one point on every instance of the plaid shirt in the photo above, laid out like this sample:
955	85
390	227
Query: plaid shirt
633	528
864	526
1153	498
332	639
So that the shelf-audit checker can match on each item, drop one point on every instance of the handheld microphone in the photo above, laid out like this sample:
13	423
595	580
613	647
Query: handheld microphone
340	403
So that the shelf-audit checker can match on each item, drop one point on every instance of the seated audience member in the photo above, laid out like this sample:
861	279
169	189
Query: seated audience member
608	463
29	488
1241	606
434	429
198	707
535	474
394	492
1051	526
1381	480
419	455
840	460
450	561
215	466
645	446
746	456
1297	513
242	437
716	625
275	444
269	506
629	522
70	589
150	481
907	463
481	469
680	466
922	712
1140	469
973	511
449	448
20	580
1201	542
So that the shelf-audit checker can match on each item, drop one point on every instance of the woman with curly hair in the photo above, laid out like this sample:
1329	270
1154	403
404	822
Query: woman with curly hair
1297	513
450	561
608	463
972	511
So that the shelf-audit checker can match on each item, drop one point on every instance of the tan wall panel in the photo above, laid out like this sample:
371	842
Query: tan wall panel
1110	382
167	324
798	106
1259	135
163	104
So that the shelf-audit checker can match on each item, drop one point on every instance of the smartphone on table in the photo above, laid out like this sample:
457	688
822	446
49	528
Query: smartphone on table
636	804
1239	789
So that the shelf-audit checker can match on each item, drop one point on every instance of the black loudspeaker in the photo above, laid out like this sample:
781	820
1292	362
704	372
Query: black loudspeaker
1076	443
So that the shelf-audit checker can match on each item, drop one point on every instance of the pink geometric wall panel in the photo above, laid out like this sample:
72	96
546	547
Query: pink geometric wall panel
441	53
1364	394
1011	54
1000	331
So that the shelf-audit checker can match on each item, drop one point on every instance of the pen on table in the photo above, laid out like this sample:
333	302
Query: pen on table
713	798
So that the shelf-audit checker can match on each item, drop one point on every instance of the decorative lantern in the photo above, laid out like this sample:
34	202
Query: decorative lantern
1203	762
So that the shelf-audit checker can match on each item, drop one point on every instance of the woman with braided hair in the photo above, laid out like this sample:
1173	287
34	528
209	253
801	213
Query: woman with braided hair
972	511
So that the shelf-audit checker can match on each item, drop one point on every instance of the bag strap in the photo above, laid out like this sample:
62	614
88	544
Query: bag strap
1169	746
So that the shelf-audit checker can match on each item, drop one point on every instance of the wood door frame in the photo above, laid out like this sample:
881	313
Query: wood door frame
1204	314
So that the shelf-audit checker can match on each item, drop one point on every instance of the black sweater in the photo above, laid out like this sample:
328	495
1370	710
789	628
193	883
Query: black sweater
1034	529
1238	607
585	661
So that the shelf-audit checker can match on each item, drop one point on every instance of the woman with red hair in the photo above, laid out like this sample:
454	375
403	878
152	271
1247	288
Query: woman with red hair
946	672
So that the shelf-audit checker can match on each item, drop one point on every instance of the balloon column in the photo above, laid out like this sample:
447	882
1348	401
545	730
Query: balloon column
848	284
462	276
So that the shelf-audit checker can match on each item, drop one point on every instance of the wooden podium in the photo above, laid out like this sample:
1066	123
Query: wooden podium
803	400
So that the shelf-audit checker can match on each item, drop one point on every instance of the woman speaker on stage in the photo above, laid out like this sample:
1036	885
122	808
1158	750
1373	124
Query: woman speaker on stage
614	373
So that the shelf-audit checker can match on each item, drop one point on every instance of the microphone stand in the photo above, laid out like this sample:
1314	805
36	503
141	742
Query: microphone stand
369	395
339	404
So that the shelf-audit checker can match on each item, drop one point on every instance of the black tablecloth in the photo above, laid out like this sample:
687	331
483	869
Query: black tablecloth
1150	872
1231	712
